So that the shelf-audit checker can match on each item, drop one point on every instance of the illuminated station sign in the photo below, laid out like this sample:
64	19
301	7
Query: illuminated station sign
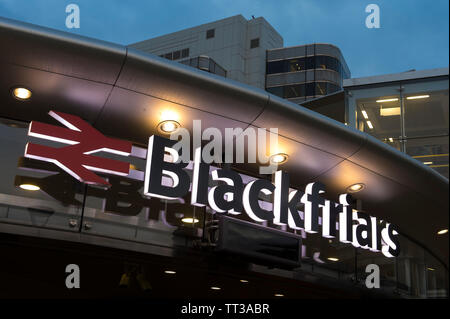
230	195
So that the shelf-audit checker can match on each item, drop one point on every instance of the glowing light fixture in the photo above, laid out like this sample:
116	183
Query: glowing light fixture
442	232
430	269
170	272
418	97
243	280
215	288
190	220
428	163
21	93
369	124
355	188
279	158
30	187
364	113
278	295
387	100
389	111
168	126
391	140
333	259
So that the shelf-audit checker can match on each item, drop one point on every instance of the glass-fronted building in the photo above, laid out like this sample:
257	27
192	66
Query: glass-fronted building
305	72
408	111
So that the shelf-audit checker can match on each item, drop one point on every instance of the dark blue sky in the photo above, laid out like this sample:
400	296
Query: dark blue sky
413	34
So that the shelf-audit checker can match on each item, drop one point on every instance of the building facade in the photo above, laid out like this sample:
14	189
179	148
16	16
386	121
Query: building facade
305	72
238	45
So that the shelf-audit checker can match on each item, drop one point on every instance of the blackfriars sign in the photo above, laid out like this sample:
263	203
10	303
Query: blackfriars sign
229	196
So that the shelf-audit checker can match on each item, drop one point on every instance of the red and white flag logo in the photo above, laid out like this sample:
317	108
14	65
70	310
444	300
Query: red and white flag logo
76	158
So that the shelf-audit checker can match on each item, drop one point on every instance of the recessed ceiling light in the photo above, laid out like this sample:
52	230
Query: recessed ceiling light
355	188
442	232
21	93
190	220
279	158
418	97
170	272
278	295
333	259
243	280
364	113
389	111
387	100
168	126
30	187
215	288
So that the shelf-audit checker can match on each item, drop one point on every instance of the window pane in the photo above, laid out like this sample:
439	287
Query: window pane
254	43
176	55
276	67
297	65
210	33
292	91
310	63
378	112
310	89
426	109
321	88
185	53
278	90
432	151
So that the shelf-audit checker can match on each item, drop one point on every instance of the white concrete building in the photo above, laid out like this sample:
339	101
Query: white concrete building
235	43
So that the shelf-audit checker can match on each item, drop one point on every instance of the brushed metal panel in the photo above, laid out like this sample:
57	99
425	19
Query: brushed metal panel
304	165
60	52
134	116
50	91
177	83
305	126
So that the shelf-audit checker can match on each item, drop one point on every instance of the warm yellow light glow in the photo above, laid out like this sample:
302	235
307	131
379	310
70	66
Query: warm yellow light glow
442	232
364	113
430	269
30	187
278	295
387	100
418	97
190	220
168	126
169	115
333	259
369	124
243	280
428	163
391	140
215	288
132	166
355	187
279	158
170	272
22	93
390	111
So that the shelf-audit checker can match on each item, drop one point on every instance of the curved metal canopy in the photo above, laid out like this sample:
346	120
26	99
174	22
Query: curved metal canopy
122	91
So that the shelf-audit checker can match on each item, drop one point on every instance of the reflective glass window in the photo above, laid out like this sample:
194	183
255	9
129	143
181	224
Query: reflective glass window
277	67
